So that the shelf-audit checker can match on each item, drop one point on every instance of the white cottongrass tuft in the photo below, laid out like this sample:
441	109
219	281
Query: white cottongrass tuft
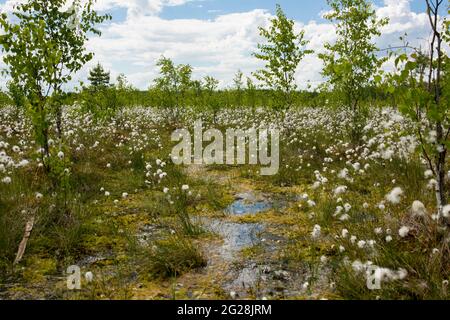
6	180
340	190
394	196
316	231
358	266
347	207
185	187
89	276
315	185
403	231
418	209
345	233
428	174
432	184
446	211
23	163
361	244
343	174
339	210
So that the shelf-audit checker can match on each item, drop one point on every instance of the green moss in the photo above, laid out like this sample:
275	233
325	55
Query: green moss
252	252
37	268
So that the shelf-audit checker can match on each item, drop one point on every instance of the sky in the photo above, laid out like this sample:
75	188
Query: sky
217	37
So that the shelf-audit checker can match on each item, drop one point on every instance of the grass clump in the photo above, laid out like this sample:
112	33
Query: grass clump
173	257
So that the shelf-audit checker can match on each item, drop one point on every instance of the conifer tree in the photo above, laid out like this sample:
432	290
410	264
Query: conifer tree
99	77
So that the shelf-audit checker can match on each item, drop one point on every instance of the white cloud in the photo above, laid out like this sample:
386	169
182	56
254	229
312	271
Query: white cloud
8	6
221	46
133	7
218	46
402	20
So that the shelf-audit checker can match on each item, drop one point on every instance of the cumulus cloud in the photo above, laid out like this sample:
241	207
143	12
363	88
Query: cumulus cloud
133	7
8	6
219	46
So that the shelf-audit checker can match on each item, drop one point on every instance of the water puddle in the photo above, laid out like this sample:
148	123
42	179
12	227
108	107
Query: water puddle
236	236
249	203
247	276
242	207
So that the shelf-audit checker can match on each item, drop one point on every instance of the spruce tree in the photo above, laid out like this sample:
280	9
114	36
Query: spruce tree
98	77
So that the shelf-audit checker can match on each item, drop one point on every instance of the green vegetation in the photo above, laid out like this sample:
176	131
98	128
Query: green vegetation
86	177
351	63
282	55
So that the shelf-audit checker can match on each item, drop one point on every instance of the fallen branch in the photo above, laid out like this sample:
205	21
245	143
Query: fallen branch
23	244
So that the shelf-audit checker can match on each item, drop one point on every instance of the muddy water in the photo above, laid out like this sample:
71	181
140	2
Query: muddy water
260	277
249	203
236	236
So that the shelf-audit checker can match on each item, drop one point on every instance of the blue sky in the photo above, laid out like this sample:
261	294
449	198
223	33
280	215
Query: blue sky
302	10
217	37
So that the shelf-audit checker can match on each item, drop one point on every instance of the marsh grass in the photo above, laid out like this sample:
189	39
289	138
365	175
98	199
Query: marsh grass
83	221
173	256
11	232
